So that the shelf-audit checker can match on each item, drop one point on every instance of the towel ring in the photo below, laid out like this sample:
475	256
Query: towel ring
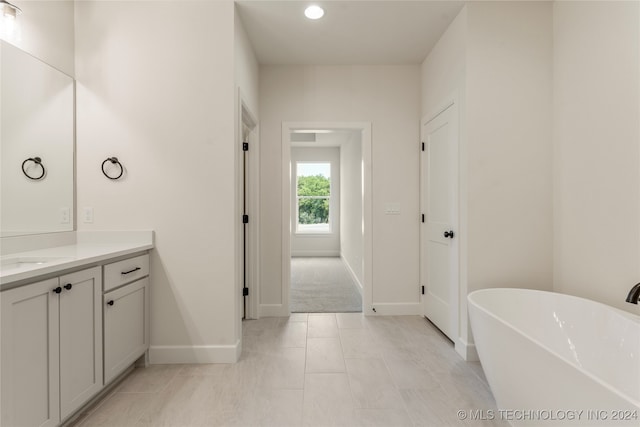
38	162
115	161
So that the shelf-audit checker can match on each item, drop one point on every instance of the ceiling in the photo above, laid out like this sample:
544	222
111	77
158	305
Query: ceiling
351	32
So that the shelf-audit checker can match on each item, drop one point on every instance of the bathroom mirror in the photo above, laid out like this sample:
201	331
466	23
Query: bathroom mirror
36	145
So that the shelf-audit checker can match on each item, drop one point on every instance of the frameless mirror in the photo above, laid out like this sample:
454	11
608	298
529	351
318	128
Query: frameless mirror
36	145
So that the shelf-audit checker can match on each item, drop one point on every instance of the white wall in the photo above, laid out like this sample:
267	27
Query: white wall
509	149
156	89
497	57
597	142
305	244
387	96
351	214
46	32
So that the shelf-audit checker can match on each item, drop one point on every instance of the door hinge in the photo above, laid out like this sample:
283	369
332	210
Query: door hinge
245	219
423	146
245	292
422	289
422	217
245	146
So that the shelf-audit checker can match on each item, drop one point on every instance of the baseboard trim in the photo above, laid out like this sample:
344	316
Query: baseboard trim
466	350
395	309
352	273
272	310
302	254
172	354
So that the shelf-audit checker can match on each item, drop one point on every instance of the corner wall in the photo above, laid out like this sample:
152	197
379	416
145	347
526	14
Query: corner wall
597	149
156	89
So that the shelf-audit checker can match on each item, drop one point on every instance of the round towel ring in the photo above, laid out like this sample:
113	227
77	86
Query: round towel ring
38	162
115	161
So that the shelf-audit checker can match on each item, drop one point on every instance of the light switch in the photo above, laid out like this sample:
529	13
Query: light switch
87	215
392	209
65	215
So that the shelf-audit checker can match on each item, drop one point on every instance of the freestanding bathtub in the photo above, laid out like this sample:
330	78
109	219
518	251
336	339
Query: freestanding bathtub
555	359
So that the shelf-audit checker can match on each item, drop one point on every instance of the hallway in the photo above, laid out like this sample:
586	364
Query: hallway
323	285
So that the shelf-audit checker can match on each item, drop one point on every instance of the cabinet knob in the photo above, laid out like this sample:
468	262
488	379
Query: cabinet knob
110	302
57	290
68	286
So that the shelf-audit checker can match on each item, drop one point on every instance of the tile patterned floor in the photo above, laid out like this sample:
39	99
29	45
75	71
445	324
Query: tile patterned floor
310	370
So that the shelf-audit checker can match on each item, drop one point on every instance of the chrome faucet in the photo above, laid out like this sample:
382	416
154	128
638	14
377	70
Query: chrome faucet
634	294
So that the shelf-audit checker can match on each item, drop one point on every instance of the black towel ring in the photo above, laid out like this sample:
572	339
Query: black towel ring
38	162
115	161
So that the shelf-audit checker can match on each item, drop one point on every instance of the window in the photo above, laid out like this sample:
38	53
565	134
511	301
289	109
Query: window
313	193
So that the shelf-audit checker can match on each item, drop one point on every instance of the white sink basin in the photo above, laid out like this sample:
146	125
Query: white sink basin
27	262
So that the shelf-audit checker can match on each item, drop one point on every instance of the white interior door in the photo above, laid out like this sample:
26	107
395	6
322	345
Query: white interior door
439	234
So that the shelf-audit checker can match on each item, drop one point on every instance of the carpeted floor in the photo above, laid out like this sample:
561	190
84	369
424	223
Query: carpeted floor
322	285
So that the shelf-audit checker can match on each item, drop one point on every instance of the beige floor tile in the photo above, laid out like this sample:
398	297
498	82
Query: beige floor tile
295	317
409	374
284	369
322	326
251	327
359	343
351	320
119	410
328	401
399	371
266	407
430	408
149	380
383	417
324	355
371	384
193	401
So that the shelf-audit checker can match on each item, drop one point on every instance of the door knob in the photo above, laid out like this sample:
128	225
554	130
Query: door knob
110	302
449	234
68	286
57	290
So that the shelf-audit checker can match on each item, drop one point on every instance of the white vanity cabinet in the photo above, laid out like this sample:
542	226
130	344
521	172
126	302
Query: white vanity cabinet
126	314
51	348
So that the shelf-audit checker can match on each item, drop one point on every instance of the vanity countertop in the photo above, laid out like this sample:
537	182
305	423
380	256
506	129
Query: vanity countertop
89	248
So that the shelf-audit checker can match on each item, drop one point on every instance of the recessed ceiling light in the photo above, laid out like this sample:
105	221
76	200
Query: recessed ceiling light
314	12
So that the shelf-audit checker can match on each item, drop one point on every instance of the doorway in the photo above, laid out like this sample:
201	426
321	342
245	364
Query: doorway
326	217
249	187
439	260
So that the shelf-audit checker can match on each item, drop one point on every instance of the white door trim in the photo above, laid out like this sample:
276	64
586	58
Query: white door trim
365	128
247	117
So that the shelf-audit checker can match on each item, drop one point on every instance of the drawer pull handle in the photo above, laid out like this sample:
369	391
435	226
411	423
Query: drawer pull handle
110	302
68	286
57	290
131	271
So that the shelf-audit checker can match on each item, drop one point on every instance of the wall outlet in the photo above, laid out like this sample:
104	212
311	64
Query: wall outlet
87	215
65	215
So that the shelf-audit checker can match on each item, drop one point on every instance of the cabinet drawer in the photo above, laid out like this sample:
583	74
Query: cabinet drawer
125	271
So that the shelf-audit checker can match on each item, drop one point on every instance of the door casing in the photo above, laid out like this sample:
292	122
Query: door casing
365	129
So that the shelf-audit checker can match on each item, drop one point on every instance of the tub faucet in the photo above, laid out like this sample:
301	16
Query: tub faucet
634	294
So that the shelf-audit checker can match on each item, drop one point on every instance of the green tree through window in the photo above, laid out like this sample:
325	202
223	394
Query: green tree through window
313	195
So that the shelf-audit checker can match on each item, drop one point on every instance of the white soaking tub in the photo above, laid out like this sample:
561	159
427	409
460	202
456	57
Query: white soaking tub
556	359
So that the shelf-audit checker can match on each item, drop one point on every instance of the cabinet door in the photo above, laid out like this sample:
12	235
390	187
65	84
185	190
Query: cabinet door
29	357
126	329
80	338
